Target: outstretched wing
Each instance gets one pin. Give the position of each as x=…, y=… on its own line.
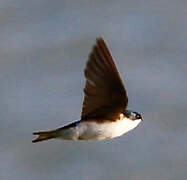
x=105, y=94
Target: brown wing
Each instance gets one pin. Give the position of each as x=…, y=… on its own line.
x=105, y=94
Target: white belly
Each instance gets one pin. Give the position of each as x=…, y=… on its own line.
x=108, y=130
x=92, y=131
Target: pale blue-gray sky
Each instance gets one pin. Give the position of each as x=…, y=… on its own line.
x=44, y=46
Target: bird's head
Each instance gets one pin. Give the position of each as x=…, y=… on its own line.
x=133, y=115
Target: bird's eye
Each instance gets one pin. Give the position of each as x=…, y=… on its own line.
x=138, y=116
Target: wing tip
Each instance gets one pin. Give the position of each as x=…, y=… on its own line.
x=100, y=40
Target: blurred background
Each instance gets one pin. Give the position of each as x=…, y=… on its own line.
x=44, y=46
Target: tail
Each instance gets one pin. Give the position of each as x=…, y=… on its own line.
x=43, y=136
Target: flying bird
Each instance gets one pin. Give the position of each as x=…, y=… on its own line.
x=104, y=114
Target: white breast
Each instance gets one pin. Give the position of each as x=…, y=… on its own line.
x=108, y=130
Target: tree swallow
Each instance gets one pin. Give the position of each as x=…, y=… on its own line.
x=104, y=114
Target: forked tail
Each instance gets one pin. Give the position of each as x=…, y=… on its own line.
x=44, y=135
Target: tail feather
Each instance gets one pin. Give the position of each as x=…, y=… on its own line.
x=43, y=135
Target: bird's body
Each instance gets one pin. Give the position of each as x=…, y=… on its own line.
x=104, y=115
x=93, y=131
